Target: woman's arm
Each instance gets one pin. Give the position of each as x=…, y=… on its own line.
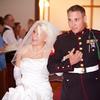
x=17, y=70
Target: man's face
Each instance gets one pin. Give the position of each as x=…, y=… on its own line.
x=76, y=21
x=10, y=21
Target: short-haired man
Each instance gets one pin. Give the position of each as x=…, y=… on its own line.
x=83, y=82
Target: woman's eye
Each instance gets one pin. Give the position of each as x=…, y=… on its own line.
x=34, y=31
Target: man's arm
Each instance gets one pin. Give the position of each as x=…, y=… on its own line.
x=55, y=65
x=59, y=63
x=56, y=62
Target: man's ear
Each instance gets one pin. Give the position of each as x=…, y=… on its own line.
x=85, y=19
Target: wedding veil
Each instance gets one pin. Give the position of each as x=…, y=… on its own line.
x=50, y=29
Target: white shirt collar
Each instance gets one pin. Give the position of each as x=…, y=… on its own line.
x=8, y=27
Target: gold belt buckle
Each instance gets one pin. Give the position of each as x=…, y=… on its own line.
x=82, y=70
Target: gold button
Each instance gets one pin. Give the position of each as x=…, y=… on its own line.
x=96, y=78
x=81, y=65
x=68, y=51
x=79, y=38
x=58, y=67
x=67, y=80
x=80, y=43
x=63, y=67
x=80, y=48
x=93, y=49
x=68, y=66
x=82, y=32
x=81, y=59
x=83, y=70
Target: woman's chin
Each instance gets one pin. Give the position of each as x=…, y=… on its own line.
x=34, y=43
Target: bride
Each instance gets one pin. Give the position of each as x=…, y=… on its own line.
x=30, y=71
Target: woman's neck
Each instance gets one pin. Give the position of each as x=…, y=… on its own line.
x=37, y=47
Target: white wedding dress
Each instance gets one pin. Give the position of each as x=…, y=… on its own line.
x=35, y=82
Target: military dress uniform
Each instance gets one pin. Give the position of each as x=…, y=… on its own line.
x=82, y=80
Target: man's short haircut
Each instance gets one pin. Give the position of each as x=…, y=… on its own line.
x=1, y=21
x=76, y=8
x=6, y=16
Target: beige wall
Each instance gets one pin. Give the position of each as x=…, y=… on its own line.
x=58, y=14
x=24, y=9
x=21, y=9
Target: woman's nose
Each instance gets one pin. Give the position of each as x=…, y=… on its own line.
x=35, y=35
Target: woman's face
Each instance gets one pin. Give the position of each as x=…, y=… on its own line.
x=39, y=37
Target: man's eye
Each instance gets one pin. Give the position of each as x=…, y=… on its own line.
x=34, y=31
x=76, y=19
x=69, y=19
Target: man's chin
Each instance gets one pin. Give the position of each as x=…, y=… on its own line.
x=75, y=31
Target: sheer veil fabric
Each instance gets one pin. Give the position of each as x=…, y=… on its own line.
x=30, y=64
x=51, y=31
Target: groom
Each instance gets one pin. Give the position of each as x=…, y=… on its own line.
x=76, y=55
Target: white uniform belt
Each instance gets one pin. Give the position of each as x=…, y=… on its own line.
x=85, y=70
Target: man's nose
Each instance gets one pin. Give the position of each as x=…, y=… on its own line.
x=73, y=23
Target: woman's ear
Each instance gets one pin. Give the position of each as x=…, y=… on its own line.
x=45, y=40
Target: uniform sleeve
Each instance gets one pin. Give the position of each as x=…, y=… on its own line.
x=55, y=63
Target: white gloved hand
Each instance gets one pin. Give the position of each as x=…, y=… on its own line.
x=17, y=75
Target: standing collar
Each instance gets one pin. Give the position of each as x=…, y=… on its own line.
x=79, y=33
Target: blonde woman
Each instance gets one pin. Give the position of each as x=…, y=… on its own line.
x=30, y=71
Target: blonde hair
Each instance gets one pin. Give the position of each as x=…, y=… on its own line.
x=51, y=31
